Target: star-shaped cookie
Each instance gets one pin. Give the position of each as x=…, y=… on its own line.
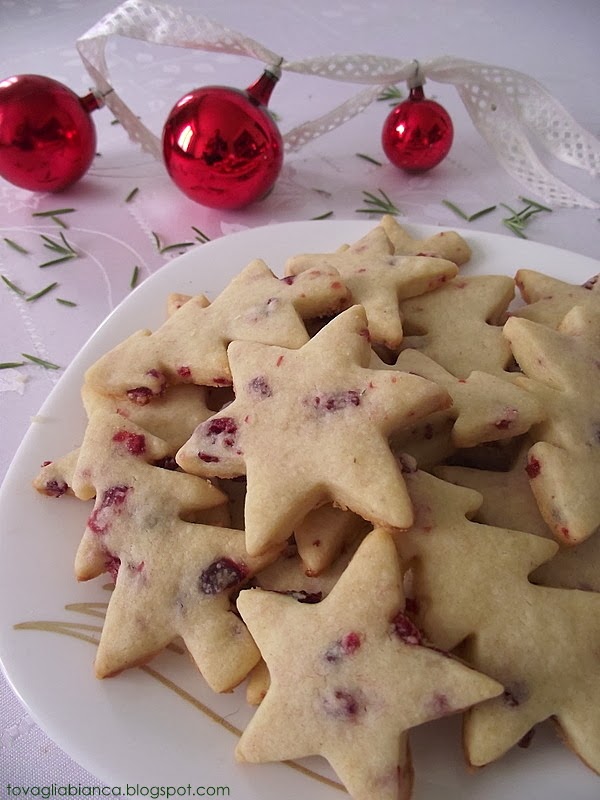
x=190, y=346
x=572, y=567
x=445, y=244
x=563, y=371
x=311, y=426
x=471, y=588
x=458, y=325
x=350, y=676
x=485, y=408
x=549, y=299
x=379, y=280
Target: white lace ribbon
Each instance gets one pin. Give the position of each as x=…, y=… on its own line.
x=512, y=111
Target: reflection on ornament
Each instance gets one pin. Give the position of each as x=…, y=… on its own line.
x=47, y=137
x=418, y=133
x=221, y=146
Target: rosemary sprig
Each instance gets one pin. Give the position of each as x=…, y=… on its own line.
x=13, y=286
x=64, y=249
x=369, y=159
x=200, y=236
x=132, y=194
x=134, y=277
x=11, y=364
x=17, y=247
x=326, y=215
x=392, y=93
x=468, y=217
x=64, y=302
x=378, y=205
x=517, y=221
x=42, y=292
x=42, y=362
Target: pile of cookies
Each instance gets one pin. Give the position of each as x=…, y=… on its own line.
x=379, y=462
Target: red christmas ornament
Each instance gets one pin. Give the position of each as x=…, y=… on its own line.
x=418, y=133
x=221, y=146
x=47, y=138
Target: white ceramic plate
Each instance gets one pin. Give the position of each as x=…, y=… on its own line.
x=164, y=727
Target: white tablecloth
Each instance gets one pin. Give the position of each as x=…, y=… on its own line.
x=556, y=43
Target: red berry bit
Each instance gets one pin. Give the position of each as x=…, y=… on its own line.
x=533, y=467
x=185, y=373
x=508, y=417
x=405, y=629
x=141, y=395
x=337, y=401
x=135, y=443
x=589, y=284
x=221, y=425
x=515, y=694
x=113, y=498
x=221, y=575
x=207, y=458
x=289, y=279
x=346, y=646
x=441, y=706
x=260, y=387
x=344, y=705
x=55, y=488
x=112, y=564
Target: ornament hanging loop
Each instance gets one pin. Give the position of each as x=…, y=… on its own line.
x=417, y=79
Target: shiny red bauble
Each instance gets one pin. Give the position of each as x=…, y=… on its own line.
x=418, y=133
x=47, y=138
x=221, y=146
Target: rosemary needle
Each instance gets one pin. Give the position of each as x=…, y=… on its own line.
x=326, y=215
x=55, y=261
x=53, y=213
x=177, y=246
x=134, y=277
x=41, y=293
x=453, y=207
x=12, y=244
x=371, y=160
x=64, y=302
x=131, y=194
x=12, y=285
x=11, y=364
x=481, y=213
